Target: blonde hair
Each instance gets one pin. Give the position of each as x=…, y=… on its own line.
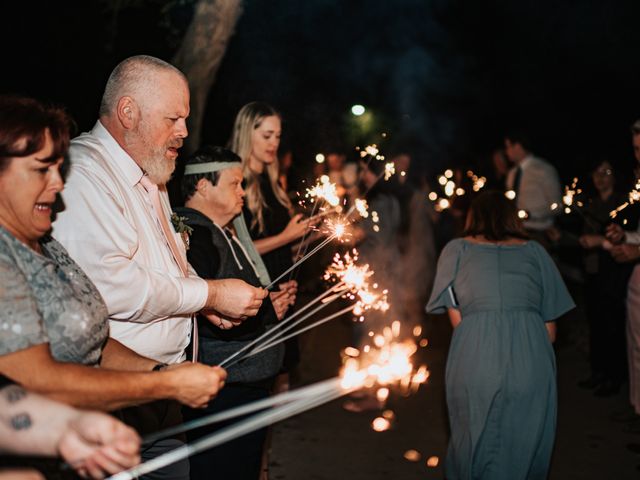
x=248, y=119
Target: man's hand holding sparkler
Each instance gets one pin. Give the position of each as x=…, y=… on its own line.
x=615, y=234
x=232, y=298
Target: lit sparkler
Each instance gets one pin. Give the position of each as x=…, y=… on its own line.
x=324, y=190
x=385, y=366
x=570, y=198
x=336, y=229
x=634, y=196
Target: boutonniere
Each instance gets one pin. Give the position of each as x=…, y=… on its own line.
x=182, y=228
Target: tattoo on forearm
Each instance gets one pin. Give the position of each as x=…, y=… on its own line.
x=21, y=421
x=14, y=393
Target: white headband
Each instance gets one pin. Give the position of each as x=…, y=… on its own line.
x=196, y=168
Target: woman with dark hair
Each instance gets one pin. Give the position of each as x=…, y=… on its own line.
x=54, y=330
x=502, y=293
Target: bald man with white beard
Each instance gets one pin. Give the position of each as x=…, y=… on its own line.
x=115, y=224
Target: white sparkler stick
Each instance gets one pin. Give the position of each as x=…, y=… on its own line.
x=288, y=327
x=281, y=398
x=298, y=332
x=334, y=390
x=280, y=324
x=320, y=246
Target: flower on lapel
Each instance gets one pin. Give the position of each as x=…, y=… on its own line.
x=182, y=228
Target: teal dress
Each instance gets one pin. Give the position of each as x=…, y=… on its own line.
x=500, y=376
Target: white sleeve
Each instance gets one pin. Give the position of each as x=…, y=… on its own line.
x=95, y=230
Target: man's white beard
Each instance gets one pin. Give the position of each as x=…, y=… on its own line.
x=158, y=167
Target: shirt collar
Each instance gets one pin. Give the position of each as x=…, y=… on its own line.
x=130, y=169
x=526, y=161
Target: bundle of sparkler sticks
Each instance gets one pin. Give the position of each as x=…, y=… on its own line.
x=385, y=363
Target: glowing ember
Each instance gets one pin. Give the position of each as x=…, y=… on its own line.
x=478, y=183
x=389, y=170
x=380, y=424
x=522, y=214
x=443, y=204
x=569, y=198
x=433, y=462
x=351, y=351
x=412, y=455
x=417, y=331
x=395, y=328
x=386, y=364
x=424, y=342
x=389, y=415
x=510, y=194
x=362, y=207
x=449, y=188
x=448, y=173
x=382, y=394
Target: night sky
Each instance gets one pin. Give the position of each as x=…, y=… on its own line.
x=443, y=78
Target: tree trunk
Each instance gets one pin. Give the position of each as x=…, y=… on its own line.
x=201, y=53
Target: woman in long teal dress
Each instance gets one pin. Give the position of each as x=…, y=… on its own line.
x=503, y=293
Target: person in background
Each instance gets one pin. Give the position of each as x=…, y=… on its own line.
x=503, y=294
x=127, y=246
x=416, y=241
x=605, y=283
x=535, y=183
x=92, y=443
x=268, y=211
x=626, y=249
x=498, y=169
x=212, y=188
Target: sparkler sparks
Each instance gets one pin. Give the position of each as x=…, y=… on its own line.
x=389, y=170
x=451, y=190
x=362, y=207
x=337, y=228
x=324, y=190
x=385, y=363
x=412, y=455
x=634, y=196
x=569, y=199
